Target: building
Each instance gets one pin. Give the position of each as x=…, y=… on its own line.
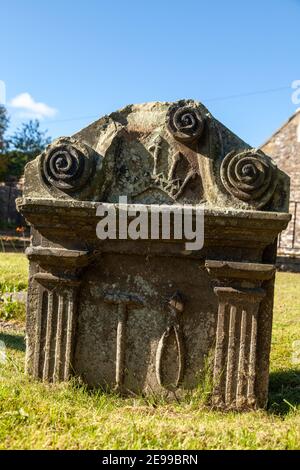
x=284, y=147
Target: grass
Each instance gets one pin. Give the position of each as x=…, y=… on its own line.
x=13, y=272
x=12, y=310
x=69, y=416
x=13, y=278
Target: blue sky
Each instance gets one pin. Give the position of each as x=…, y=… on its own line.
x=69, y=62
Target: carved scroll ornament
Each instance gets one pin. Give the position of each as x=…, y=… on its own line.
x=249, y=176
x=66, y=164
x=185, y=123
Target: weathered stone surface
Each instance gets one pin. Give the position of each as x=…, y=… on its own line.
x=145, y=316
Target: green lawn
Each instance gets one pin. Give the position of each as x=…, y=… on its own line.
x=13, y=278
x=13, y=272
x=67, y=416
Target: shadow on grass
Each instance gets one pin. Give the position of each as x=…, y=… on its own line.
x=13, y=341
x=284, y=391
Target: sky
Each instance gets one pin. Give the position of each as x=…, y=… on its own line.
x=68, y=63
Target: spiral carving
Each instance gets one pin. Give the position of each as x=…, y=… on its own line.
x=250, y=176
x=66, y=164
x=185, y=122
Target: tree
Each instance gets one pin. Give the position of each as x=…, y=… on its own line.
x=24, y=145
x=4, y=161
x=3, y=127
x=30, y=139
x=3, y=144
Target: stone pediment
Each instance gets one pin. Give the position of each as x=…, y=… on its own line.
x=158, y=153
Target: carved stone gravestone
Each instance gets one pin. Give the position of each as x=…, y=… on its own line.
x=148, y=315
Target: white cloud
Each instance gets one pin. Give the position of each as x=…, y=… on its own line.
x=31, y=108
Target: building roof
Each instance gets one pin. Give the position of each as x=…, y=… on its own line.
x=296, y=113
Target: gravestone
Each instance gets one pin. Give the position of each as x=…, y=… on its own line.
x=149, y=315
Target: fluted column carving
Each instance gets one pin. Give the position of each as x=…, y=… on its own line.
x=236, y=341
x=55, y=327
x=50, y=355
x=238, y=287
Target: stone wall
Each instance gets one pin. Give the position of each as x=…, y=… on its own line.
x=8, y=212
x=284, y=148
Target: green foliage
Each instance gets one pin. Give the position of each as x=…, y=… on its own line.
x=23, y=146
x=15, y=165
x=4, y=162
x=29, y=139
x=11, y=310
x=3, y=127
